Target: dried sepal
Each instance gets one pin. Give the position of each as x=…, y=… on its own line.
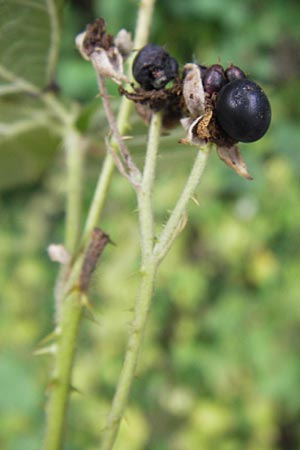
x=97, y=46
x=79, y=40
x=232, y=157
x=190, y=126
x=193, y=91
x=123, y=42
x=197, y=129
x=109, y=64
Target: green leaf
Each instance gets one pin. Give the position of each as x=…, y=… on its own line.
x=29, y=41
x=28, y=140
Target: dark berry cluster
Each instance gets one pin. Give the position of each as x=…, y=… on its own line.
x=240, y=109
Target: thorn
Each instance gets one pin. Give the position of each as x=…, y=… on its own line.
x=50, y=337
x=75, y=390
x=52, y=383
x=182, y=223
x=127, y=138
x=51, y=349
x=111, y=242
x=195, y=200
x=88, y=310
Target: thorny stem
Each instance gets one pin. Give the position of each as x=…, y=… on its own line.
x=69, y=318
x=151, y=259
x=144, y=194
x=142, y=29
x=172, y=227
x=144, y=296
x=131, y=357
x=60, y=384
x=133, y=174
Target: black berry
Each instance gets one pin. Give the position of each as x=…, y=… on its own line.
x=234, y=73
x=214, y=79
x=153, y=67
x=243, y=110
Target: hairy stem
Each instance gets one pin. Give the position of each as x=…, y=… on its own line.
x=144, y=297
x=142, y=29
x=131, y=357
x=71, y=304
x=145, y=191
x=150, y=262
x=60, y=384
x=105, y=176
x=172, y=227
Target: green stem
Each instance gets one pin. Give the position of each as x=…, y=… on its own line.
x=145, y=191
x=60, y=385
x=172, y=227
x=74, y=147
x=99, y=198
x=105, y=176
x=142, y=29
x=144, y=297
x=132, y=353
x=71, y=307
x=144, y=19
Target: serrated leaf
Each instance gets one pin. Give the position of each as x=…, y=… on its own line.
x=29, y=40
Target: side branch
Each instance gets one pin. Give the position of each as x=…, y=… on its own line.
x=173, y=225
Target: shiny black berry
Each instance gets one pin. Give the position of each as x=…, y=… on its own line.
x=153, y=67
x=214, y=79
x=243, y=110
x=234, y=73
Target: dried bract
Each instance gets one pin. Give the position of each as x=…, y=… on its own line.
x=193, y=92
x=123, y=42
x=97, y=46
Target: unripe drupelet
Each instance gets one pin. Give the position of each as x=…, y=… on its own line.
x=153, y=67
x=214, y=79
x=243, y=110
x=234, y=73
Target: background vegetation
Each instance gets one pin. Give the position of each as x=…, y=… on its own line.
x=220, y=367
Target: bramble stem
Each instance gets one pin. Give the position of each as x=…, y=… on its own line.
x=131, y=357
x=151, y=259
x=172, y=227
x=142, y=29
x=144, y=193
x=71, y=304
x=60, y=384
x=74, y=148
x=144, y=296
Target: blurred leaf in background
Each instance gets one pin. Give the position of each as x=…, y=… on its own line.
x=220, y=366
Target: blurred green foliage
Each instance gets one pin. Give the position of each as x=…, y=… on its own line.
x=220, y=367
